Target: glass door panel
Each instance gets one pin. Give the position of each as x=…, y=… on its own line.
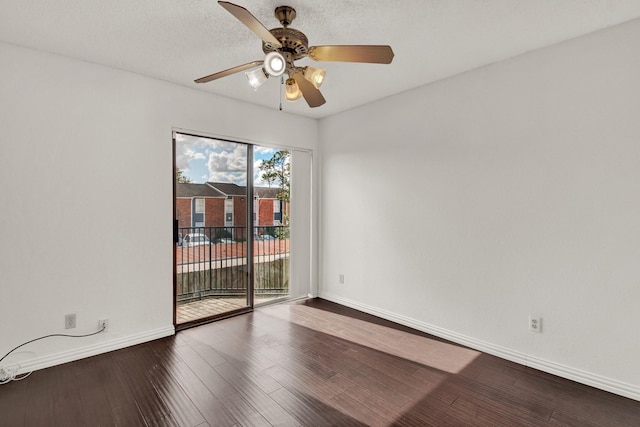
x=272, y=190
x=212, y=272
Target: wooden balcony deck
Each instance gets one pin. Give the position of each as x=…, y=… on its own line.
x=189, y=311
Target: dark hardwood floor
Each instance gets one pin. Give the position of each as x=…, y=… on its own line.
x=311, y=363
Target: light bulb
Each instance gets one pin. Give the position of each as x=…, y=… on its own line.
x=256, y=78
x=291, y=90
x=315, y=75
x=274, y=64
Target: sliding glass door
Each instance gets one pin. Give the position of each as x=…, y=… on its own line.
x=231, y=227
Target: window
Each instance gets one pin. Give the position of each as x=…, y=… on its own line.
x=277, y=214
x=199, y=206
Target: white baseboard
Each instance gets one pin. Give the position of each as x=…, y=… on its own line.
x=593, y=380
x=93, y=349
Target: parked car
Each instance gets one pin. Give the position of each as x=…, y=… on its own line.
x=195, y=239
x=267, y=237
x=179, y=239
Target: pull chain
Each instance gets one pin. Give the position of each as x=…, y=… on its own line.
x=281, y=84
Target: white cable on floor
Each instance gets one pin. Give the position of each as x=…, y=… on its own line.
x=11, y=374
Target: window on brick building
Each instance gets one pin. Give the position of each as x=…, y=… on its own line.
x=277, y=213
x=200, y=206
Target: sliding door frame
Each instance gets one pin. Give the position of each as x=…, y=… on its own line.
x=311, y=289
x=249, y=224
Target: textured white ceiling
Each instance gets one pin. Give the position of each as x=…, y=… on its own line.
x=181, y=40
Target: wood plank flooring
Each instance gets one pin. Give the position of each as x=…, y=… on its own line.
x=311, y=363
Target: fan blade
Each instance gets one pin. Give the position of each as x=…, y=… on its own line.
x=312, y=95
x=375, y=54
x=250, y=21
x=228, y=72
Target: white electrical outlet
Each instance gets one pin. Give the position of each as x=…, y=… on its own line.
x=103, y=325
x=70, y=321
x=342, y=278
x=535, y=324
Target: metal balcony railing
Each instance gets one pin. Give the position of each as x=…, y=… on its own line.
x=212, y=262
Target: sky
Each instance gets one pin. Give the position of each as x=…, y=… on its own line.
x=206, y=159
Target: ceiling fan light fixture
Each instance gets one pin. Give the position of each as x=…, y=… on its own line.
x=315, y=75
x=283, y=46
x=275, y=64
x=256, y=78
x=291, y=90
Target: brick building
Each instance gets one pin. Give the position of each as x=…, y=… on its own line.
x=217, y=204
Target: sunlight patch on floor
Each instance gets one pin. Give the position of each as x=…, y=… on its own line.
x=440, y=355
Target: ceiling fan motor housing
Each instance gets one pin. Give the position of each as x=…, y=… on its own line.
x=292, y=40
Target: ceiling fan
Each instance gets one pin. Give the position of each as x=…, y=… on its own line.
x=282, y=46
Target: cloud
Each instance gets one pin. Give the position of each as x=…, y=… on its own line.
x=257, y=175
x=265, y=151
x=219, y=161
x=238, y=178
x=228, y=161
x=228, y=164
x=188, y=148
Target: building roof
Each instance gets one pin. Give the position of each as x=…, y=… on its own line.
x=222, y=190
x=231, y=189
x=197, y=190
x=228, y=188
x=266, y=192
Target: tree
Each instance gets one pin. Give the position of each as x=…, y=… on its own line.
x=180, y=178
x=277, y=170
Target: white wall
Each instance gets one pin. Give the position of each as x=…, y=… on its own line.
x=86, y=171
x=464, y=206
